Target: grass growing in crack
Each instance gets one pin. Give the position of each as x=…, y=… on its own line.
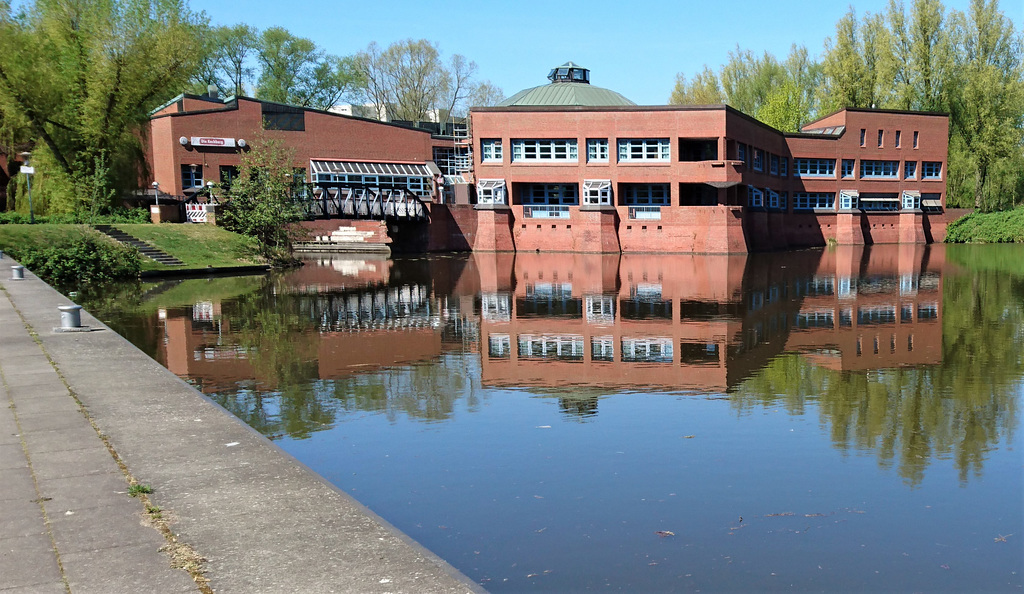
x=138, y=489
x=154, y=511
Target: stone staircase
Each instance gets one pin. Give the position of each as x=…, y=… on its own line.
x=350, y=236
x=144, y=248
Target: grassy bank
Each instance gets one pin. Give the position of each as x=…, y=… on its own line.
x=198, y=246
x=989, y=227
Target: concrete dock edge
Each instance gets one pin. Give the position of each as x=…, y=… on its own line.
x=73, y=401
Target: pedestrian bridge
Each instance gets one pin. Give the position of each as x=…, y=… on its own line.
x=363, y=202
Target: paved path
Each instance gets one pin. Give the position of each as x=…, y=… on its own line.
x=83, y=415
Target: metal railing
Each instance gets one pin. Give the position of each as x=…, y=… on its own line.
x=645, y=213
x=546, y=212
x=364, y=202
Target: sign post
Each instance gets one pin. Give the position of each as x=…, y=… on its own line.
x=28, y=171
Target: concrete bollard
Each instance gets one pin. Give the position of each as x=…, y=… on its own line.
x=17, y=272
x=70, y=316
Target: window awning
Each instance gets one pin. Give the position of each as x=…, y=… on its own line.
x=596, y=184
x=912, y=193
x=486, y=184
x=932, y=203
x=893, y=198
x=373, y=168
x=850, y=193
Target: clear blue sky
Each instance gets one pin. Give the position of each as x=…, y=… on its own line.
x=634, y=47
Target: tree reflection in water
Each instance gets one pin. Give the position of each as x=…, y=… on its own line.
x=426, y=338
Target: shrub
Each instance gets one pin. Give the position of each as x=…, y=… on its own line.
x=113, y=216
x=82, y=260
x=994, y=227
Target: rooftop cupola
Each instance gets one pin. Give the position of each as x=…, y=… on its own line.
x=570, y=72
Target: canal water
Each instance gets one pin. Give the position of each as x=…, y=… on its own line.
x=827, y=420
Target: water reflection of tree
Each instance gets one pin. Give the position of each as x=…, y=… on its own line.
x=285, y=397
x=428, y=391
x=908, y=416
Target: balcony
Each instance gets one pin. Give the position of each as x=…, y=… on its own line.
x=719, y=174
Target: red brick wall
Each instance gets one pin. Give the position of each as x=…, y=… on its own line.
x=327, y=136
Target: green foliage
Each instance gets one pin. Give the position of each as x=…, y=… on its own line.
x=261, y=203
x=79, y=77
x=995, y=227
x=294, y=71
x=81, y=259
x=137, y=489
x=112, y=216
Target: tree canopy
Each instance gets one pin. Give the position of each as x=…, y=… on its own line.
x=922, y=57
x=80, y=76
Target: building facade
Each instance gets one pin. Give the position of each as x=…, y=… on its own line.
x=558, y=169
x=198, y=140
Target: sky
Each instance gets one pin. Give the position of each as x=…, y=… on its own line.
x=635, y=47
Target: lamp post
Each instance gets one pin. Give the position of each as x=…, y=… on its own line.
x=28, y=171
x=156, y=192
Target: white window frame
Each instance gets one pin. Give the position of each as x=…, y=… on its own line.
x=597, y=150
x=644, y=149
x=547, y=149
x=597, y=192
x=490, y=150
x=491, y=191
x=911, y=200
x=848, y=199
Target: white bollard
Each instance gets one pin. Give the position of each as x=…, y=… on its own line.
x=70, y=316
x=17, y=272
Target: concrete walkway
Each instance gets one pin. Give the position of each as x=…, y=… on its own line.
x=83, y=415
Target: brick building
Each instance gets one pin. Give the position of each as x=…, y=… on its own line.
x=194, y=140
x=571, y=167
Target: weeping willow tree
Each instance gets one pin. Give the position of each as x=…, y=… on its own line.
x=77, y=81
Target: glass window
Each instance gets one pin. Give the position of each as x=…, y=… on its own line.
x=643, y=149
x=862, y=132
x=784, y=166
x=812, y=200
x=848, y=165
x=774, y=165
x=887, y=169
x=755, y=197
x=931, y=170
x=550, y=194
x=544, y=150
x=814, y=167
x=898, y=135
x=847, y=200
x=597, y=149
x=491, y=191
x=881, y=135
x=758, y=160
x=741, y=152
x=191, y=176
x=915, y=138
x=490, y=149
x=597, y=192
x=645, y=194
x=910, y=170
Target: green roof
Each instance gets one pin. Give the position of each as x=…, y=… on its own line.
x=567, y=93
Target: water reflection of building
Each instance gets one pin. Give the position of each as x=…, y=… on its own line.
x=340, y=316
x=706, y=322
x=549, y=320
